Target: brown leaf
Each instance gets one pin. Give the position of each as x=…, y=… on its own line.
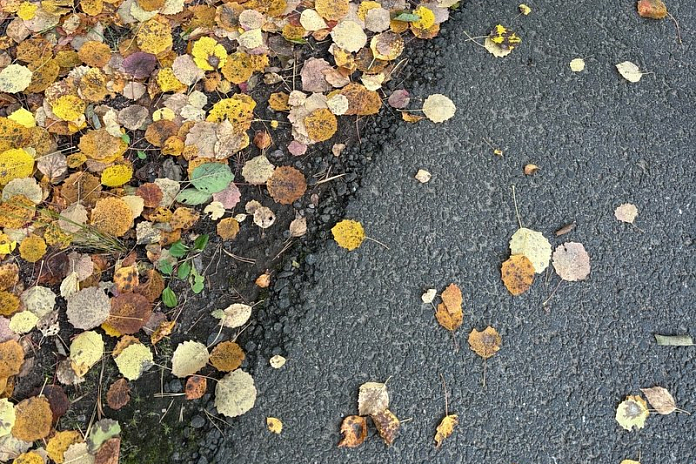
x=485, y=343
x=445, y=428
x=196, y=386
x=108, y=452
x=449, y=313
x=118, y=395
x=286, y=185
x=354, y=431
x=387, y=425
x=653, y=9
x=226, y=356
x=126, y=279
x=566, y=228
x=518, y=274
x=530, y=169
x=129, y=313
x=660, y=399
x=11, y=358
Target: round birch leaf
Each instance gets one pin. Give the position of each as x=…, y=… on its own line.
x=189, y=358
x=39, y=300
x=15, y=78
x=235, y=393
x=235, y=315
x=438, y=108
x=88, y=308
x=85, y=351
x=134, y=360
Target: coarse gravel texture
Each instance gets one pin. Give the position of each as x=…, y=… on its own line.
x=551, y=392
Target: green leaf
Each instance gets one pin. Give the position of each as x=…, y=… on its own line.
x=125, y=138
x=184, y=270
x=178, y=249
x=406, y=17
x=169, y=298
x=142, y=155
x=166, y=267
x=212, y=177
x=192, y=197
x=201, y=242
x=101, y=431
x=198, y=284
x=674, y=340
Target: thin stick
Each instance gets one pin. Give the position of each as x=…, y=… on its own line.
x=377, y=241
x=676, y=24
x=239, y=258
x=484, y=373
x=473, y=39
x=546, y=301
x=444, y=389
x=517, y=211
x=165, y=412
x=329, y=179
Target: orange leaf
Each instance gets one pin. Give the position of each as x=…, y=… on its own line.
x=286, y=185
x=196, y=386
x=226, y=356
x=449, y=313
x=486, y=343
x=518, y=274
x=354, y=431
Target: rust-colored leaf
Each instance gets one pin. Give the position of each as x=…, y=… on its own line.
x=286, y=185
x=354, y=431
x=653, y=9
x=518, y=274
x=196, y=386
x=129, y=313
x=449, y=313
x=485, y=343
x=387, y=425
x=118, y=395
x=226, y=356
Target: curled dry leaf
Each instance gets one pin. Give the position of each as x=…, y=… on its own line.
x=354, y=431
x=485, y=343
x=277, y=361
x=445, y=428
x=517, y=274
x=674, y=340
x=571, y=261
x=660, y=399
x=423, y=176
x=428, y=296
x=235, y=315
x=274, y=425
x=373, y=398
x=632, y=412
x=577, y=65
x=530, y=169
x=626, y=213
x=653, y=9
x=264, y=217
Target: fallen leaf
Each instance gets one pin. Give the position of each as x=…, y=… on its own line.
x=59, y=443
x=7, y=417
x=118, y=395
x=226, y=356
x=530, y=169
x=429, y=296
x=485, y=343
x=674, y=340
x=33, y=419
x=653, y=9
x=449, y=313
x=354, y=431
x=423, y=176
x=445, y=428
x=196, y=386
x=566, y=229
x=134, y=360
x=571, y=261
x=277, y=361
x=660, y=399
x=286, y=185
x=517, y=274
x=387, y=425
x=235, y=315
x=629, y=461
x=626, y=213
x=524, y=9
x=274, y=424
x=85, y=351
x=629, y=71
x=373, y=398
x=533, y=245
x=101, y=431
x=348, y=234
x=235, y=394
x=438, y=108
x=88, y=308
x=632, y=412
x=189, y=358
x=577, y=65
x=109, y=452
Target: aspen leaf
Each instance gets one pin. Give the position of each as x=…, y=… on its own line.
x=264, y=217
x=348, y=234
x=321, y=125
x=349, y=35
x=485, y=343
x=196, y=386
x=60, y=442
x=449, y=313
x=11, y=358
x=235, y=315
x=15, y=78
x=353, y=431
x=112, y=216
x=215, y=210
x=257, y=170
x=660, y=399
x=423, y=176
x=189, y=358
x=533, y=245
x=7, y=417
x=226, y=356
x=388, y=46
x=445, y=428
x=286, y=185
x=387, y=425
x=277, y=361
x=235, y=394
x=438, y=108
x=429, y=295
x=274, y=425
x=77, y=453
x=88, y=308
x=571, y=261
x=129, y=312
x=15, y=163
x=629, y=71
x=333, y=10
x=154, y=36
x=517, y=274
x=118, y=394
x=134, y=360
x=629, y=461
x=32, y=248
x=373, y=398
x=228, y=228
x=524, y=9
x=632, y=412
x=117, y=175
x=23, y=322
x=626, y=213
x=101, y=431
x=85, y=351
x=33, y=418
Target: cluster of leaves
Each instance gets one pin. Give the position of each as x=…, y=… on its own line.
x=373, y=402
x=633, y=410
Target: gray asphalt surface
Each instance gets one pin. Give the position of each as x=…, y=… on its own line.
x=552, y=390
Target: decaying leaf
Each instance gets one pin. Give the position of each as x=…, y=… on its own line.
x=235, y=394
x=11, y=358
x=348, y=234
x=33, y=419
x=88, y=308
x=629, y=71
x=445, y=428
x=354, y=431
x=274, y=425
x=653, y=9
x=101, y=431
x=449, y=313
x=660, y=399
x=566, y=229
x=118, y=395
x=626, y=212
x=632, y=412
x=134, y=360
x=517, y=274
x=286, y=185
x=189, y=358
x=571, y=261
x=226, y=356
x=533, y=245
x=387, y=425
x=196, y=386
x=674, y=340
x=373, y=398
x=485, y=343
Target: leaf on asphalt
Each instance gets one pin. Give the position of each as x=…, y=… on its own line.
x=387, y=425
x=196, y=386
x=235, y=394
x=286, y=185
x=533, y=245
x=577, y=65
x=674, y=340
x=653, y=9
x=423, y=176
x=517, y=274
x=632, y=412
x=235, y=315
x=277, y=361
x=626, y=213
x=354, y=431
x=274, y=425
x=373, y=398
x=660, y=399
x=445, y=428
x=566, y=229
x=118, y=394
x=524, y=9
x=429, y=296
x=501, y=41
x=571, y=261
x=399, y=99
x=449, y=313
x=629, y=71
x=189, y=358
x=485, y=343
x=438, y=108
x=348, y=234
x=629, y=461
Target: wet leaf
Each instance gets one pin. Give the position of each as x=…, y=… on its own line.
x=485, y=343
x=660, y=399
x=445, y=428
x=517, y=274
x=373, y=398
x=354, y=431
x=632, y=412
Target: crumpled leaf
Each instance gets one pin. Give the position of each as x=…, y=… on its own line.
x=449, y=313
x=632, y=412
x=189, y=358
x=277, y=361
x=660, y=399
x=653, y=9
x=626, y=212
x=387, y=424
x=533, y=245
x=517, y=274
x=274, y=425
x=674, y=340
x=235, y=394
x=571, y=261
x=445, y=428
x=373, y=398
x=438, y=108
x=348, y=234
x=485, y=343
x=353, y=431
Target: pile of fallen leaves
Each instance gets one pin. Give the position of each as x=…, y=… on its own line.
x=88, y=90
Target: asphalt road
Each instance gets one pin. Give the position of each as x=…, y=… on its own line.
x=552, y=390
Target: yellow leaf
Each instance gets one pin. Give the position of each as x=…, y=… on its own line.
x=68, y=107
x=274, y=424
x=348, y=234
x=85, y=351
x=7, y=246
x=632, y=412
x=27, y=10
x=533, y=245
x=524, y=9
x=427, y=18
x=517, y=274
x=154, y=36
x=60, y=442
x=24, y=117
x=449, y=313
x=629, y=461
x=168, y=81
x=445, y=428
x=134, y=360
x=321, y=125
x=32, y=248
x=208, y=54
x=116, y=175
x=485, y=343
x=15, y=163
